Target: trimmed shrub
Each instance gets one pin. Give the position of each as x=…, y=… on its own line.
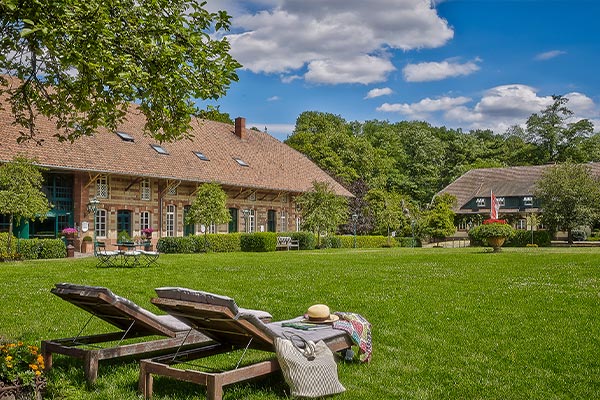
x=331, y=242
x=29, y=249
x=52, y=248
x=523, y=238
x=408, y=242
x=367, y=241
x=180, y=245
x=260, y=241
x=306, y=240
x=218, y=243
x=578, y=235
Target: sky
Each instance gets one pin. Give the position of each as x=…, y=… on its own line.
x=469, y=64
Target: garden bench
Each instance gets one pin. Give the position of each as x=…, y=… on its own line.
x=286, y=242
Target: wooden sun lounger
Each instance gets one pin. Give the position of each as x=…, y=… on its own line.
x=133, y=322
x=230, y=328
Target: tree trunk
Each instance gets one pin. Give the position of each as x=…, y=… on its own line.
x=570, y=237
x=10, y=234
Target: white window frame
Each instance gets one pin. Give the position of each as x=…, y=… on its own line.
x=282, y=221
x=171, y=220
x=480, y=202
x=145, y=190
x=250, y=221
x=463, y=226
x=298, y=224
x=100, y=221
x=102, y=188
x=501, y=201
x=528, y=200
x=145, y=221
x=522, y=224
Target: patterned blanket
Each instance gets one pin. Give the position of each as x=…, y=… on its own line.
x=359, y=330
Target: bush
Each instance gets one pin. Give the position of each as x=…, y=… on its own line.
x=481, y=233
x=52, y=248
x=179, y=245
x=29, y=249
x=331, y=242
x=578, y=235
x=218, y=243
x=306, y=240
x=260, y=241
x=363, y=242
x=408, y=242
x=522, y=238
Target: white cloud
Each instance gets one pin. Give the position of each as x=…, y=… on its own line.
x=378, y=92
x=425, y=107
x=362, y=69
x=435, y=71
x=549, y=54
x=498, y=108
x=273, y=98
x=336, y=39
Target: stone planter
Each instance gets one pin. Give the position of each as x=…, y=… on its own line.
x=496, y=242
x=19, y=392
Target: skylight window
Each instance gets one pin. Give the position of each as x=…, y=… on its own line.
x=125, y=136
x=159, y=149
x=201, y=156
x=241, y=162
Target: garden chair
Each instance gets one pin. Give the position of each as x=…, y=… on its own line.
x=132, y=320
x=149, y=257
x=231, y=328
x=106, y=258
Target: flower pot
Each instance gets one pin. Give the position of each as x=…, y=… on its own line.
x=496, y=242
x=15, y=391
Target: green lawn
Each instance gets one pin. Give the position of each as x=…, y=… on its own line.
x=447, y=323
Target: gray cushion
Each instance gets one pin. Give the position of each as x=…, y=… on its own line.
x=198, y=296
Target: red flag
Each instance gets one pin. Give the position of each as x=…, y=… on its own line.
x=494, y=206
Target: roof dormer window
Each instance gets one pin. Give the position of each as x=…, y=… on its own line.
x=241, y=162
x=159, y=149
x=126, y=137
x=201, y=156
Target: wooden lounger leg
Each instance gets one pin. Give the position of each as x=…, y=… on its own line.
x=90, y=366
x=214, y=387
x=146, y=382
x=47, y=357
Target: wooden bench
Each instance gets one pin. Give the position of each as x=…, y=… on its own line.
x=286, y=242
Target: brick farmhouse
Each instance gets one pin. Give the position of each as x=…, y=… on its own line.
x=140, y=183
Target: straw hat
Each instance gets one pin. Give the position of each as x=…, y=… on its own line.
x=319, y=314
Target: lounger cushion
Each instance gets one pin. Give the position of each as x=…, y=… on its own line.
x=178, y=293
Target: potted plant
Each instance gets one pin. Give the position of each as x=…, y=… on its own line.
x=86, y=244
x=147, y=232
x=21, y=371
x=494, y=232
x=122, y=238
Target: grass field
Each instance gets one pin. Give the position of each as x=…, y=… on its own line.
x=447, y=323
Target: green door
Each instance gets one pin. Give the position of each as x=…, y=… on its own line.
x=233, y=223
x=271, y=223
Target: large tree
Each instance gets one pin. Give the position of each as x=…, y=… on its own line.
x=322, y=209
x=438, y=220
x=82, y=63
x=21, y=195
x=555, y=134
x=569, y=195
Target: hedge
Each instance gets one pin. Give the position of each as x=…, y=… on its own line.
x=31, y=249
x=260, y=241
x=522, y=238
x=218, y=243
x=181, y=245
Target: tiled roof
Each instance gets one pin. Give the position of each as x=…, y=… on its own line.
x=504, y=182
x=272, y=165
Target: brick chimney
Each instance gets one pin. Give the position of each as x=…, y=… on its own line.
x=240, y=128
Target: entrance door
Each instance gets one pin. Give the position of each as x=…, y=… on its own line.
x=124, y=221
x=233, y=223
x=271, y=224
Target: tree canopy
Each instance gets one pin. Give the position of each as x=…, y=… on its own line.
x=570, y=196
x=21, y=195
x=209, y=206
x=322, y=209
x=82, y=63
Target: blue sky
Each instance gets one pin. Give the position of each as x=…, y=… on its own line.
x=466, y=64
